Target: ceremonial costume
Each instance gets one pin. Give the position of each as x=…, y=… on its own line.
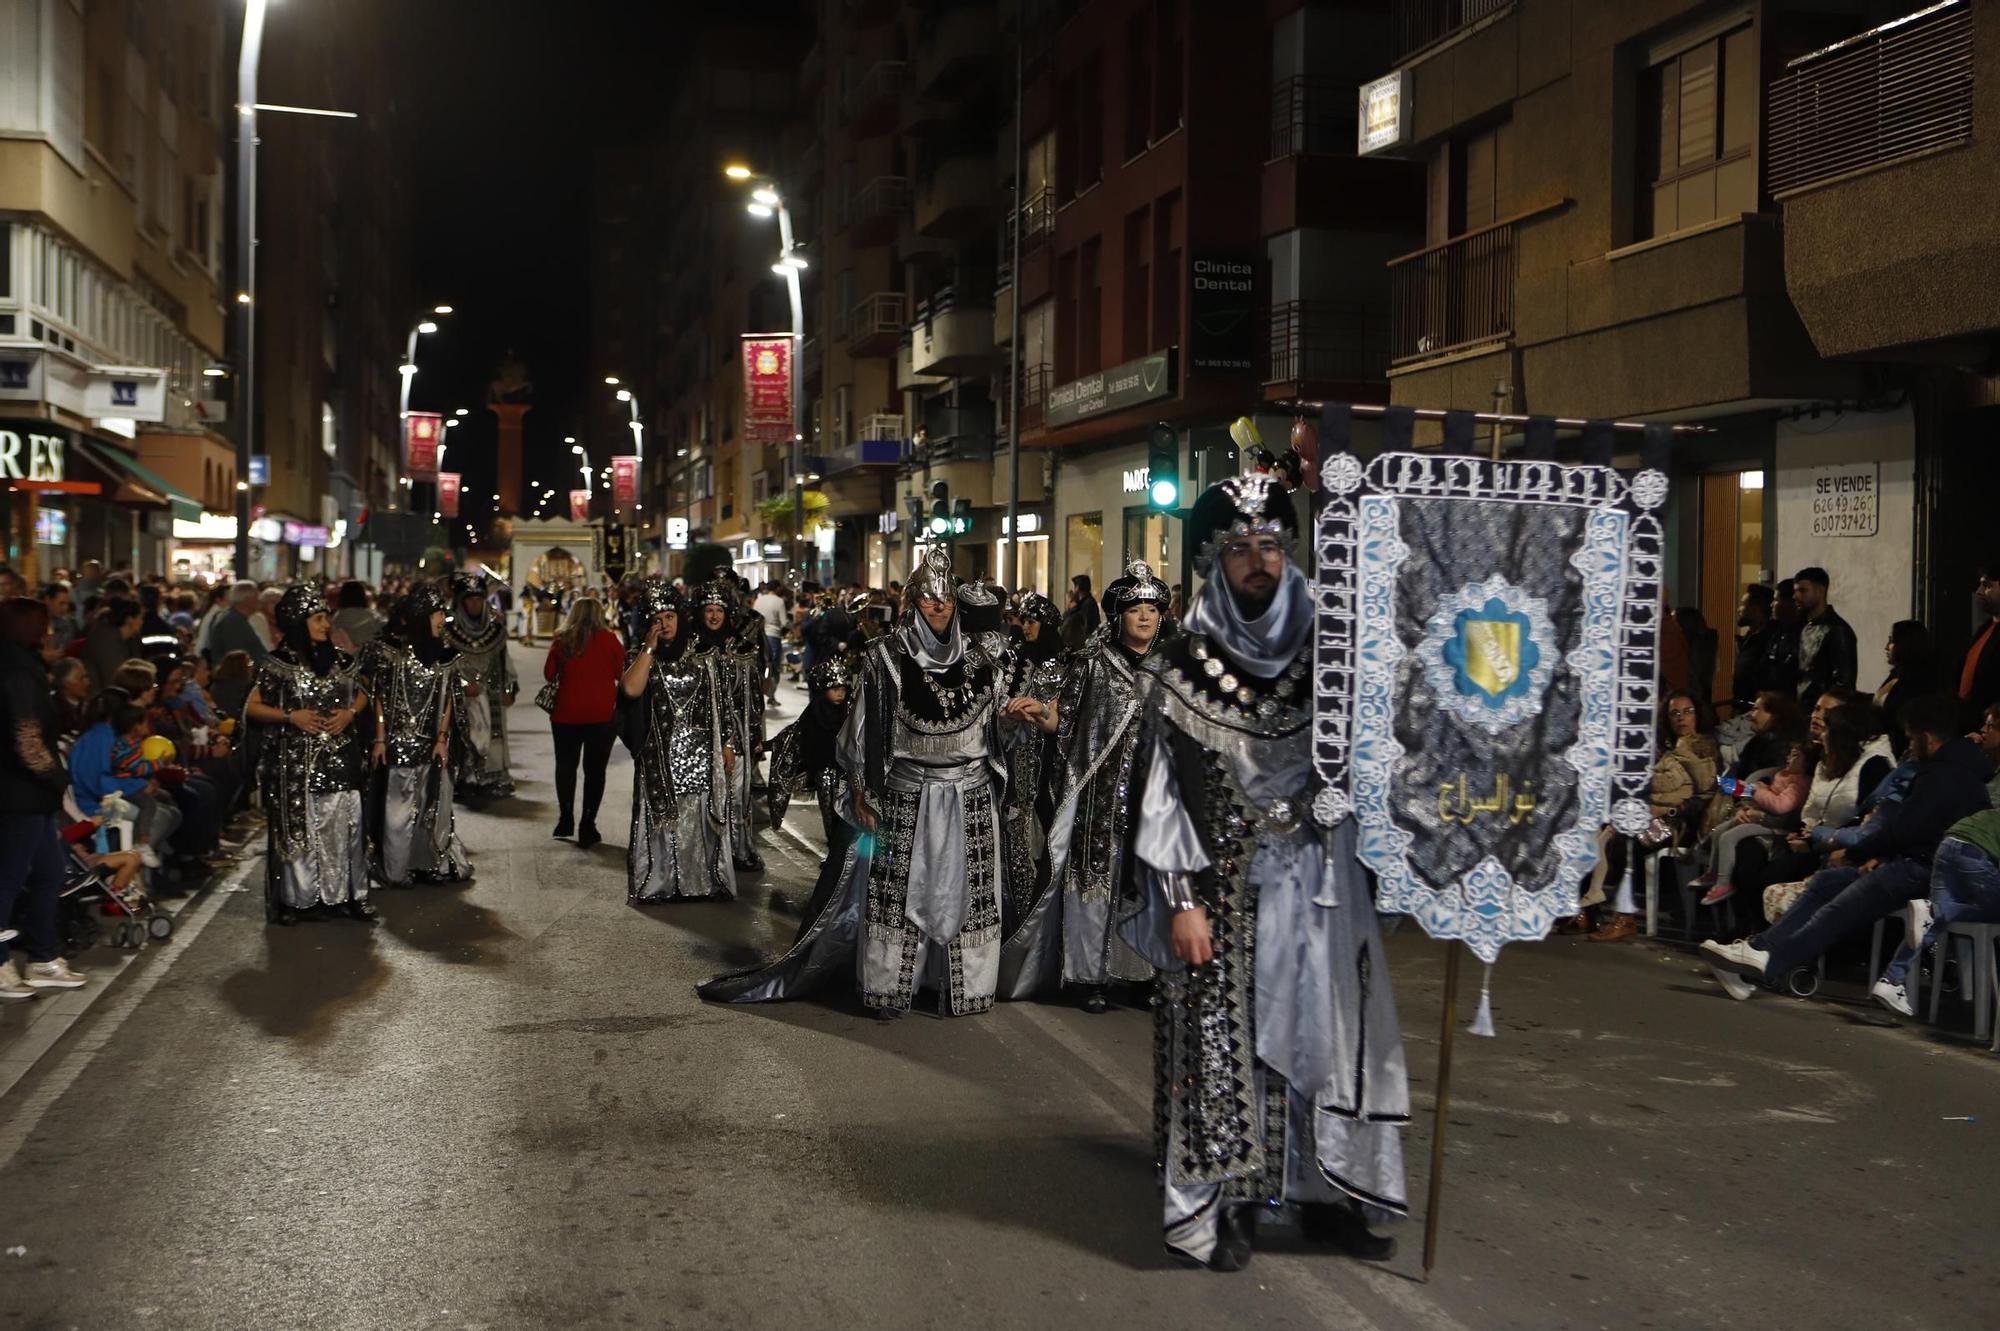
x=413, y=678
x=312, y=784
x=479, y=637
x=923, y=743
x=1070, y=932
x=739, y=683
x=680, y=785
x=1036, y=668
x=1278, y=1064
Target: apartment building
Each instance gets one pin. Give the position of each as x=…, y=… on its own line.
x=112, y=130
x=1716, y=212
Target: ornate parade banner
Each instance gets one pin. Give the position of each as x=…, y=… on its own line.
x=767, y=388
x=624, y=481
x=1486, y=689
x=448, y=491
x=579, y=505
x=421, y=430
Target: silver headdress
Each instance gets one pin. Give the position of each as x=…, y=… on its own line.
x=833, y=674
x=1252, y=505
x=299, y=604
x=933, y=578
x=1138, y=587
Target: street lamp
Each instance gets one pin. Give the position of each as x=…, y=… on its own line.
x=408, y=369
x=583, y=460
x=767, y=200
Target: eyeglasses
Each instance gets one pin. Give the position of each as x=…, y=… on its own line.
x=1266, y=551
x=1682, y=711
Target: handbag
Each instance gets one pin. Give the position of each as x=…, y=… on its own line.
x=546, y=698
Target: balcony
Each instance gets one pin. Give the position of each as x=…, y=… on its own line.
x=1896, y=92
x=1455, y=295
x=875, y=99
x=958, y=198
x=1313, y=116
x=1038, y=220
x=1421, y=23
x=869, y=453
x=1326, y=342
x=907, y=377
x=951, y=338
x=1036, y=381
x=876, y=209
x=875, y=324
x=952, y=43
x=812, y=360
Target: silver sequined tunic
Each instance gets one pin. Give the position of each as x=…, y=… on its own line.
x=679, y=846
x=312, y=787
x=419, y=830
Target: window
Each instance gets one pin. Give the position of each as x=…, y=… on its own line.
x=1065, y=330
x=1089, y=308
x=1139, y=82
x=1167, y=271
x=1697, y=136
x=1138, y=287
x=1146, y=538
x=1085, y=532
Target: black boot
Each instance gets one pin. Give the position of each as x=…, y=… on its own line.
x=564, y=827
x=1236, y=1239
x=588, y=836
x=1095, y=1001
x=1340, y=1226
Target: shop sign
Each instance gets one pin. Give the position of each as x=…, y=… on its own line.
x=1144, y=380
x=677, y=533
x=268, y=530
x=767, y=388
x=308, y=535
x=1137, y=480
x=1222, y=312
x=1384, y=113
x=125, y=393
x=751, y=553
x=32, y=453
x=1030, y=522
x=21, y=377
x=211, y=527
x=888, y=523
x=1846, y=500
x=51, y=526
x=260, y=469
x=774, y=550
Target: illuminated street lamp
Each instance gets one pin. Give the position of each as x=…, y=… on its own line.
x=767, y=200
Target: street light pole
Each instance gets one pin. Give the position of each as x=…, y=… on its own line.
x=246, y=268
x=1014, y=314
x=765, y=200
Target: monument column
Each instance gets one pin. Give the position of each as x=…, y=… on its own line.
x=508, y=458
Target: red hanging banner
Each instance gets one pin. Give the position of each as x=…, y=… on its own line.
x=767, y=388
x=579, y=505
x=624, y=482
x=421, y=431
x=448, y=486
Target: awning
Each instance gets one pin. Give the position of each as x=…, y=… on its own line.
x=138, y=483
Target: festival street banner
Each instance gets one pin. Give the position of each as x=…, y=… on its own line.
x=421, y=431
x=579, y=505
x=1486, y=696
x=624, y=482
x=448, y=487
x=767, y=388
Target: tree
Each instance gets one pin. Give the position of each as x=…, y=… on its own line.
x=777, y=512
x=704, y=561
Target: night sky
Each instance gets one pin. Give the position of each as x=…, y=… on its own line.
x=507, y=100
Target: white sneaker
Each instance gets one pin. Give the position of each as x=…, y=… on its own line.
x=9, y=935
x=149, y=857
x=1917, y=923
x=11, y=988
x=1733, y=984
x=1741, y=956
x=55, y=975
x=1893, y=997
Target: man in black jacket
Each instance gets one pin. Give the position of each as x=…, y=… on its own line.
x=1828, y=654
x=1767, y=655
x=1885, y=870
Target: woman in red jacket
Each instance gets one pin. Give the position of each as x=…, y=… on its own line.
x=585, y=661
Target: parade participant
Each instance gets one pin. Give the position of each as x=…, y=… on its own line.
x=922, y=750
x=684, y=746
x=1278, y=1063
x=805, y=757
x=1096, y=722
x=307, y=696
x=412, y=676
x=741, y=695
x=980, y=610
x=479, y=636
x=1036, y=667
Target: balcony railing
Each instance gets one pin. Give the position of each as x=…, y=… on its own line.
x=876, y=209
x=1421, y=22
x=1036, y=381
x=1326, y=341
x=876, y=323
x=1890, y=93
x=874, y=98
x=1312, y=114
x=1453, y=295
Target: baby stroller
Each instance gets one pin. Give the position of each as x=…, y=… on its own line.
x=91, y=895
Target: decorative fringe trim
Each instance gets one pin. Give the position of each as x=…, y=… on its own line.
x=1482, y=1020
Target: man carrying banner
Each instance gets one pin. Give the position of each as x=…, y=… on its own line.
x=1278, y=1073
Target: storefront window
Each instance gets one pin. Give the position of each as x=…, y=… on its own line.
x=1732, y=557
x=1146, y=538
x=1084, y=552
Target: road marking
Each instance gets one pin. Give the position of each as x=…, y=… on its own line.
x=189, y=925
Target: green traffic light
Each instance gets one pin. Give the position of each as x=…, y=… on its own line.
x=1165, y=494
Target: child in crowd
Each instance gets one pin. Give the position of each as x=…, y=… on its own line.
x=1763, y=810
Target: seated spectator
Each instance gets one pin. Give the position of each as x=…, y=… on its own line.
x=1851, y=760
x=1776, y=724
x=70, y=683
x=1965, y=885
x=231, y=683
x=1912, y=674
x=1764, y=810
x=1683, y=777
x=94, y=763
x=1885, y=869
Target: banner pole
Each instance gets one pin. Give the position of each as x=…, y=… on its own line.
x=1447, y=1028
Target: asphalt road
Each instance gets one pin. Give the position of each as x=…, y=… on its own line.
x=505, y=1107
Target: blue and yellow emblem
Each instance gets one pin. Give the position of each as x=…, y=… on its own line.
x=1492, y=653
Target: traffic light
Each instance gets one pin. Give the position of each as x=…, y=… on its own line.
x=1163, y=469
x=961, y=517
x=940, y=509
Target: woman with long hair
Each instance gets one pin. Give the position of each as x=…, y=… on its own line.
x=413, y=678
x=1912, y=673
x=32, y=782
x=584, y=664
x=307, y=697
x=685, y=750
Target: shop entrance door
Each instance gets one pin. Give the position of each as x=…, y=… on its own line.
x=1732, y=557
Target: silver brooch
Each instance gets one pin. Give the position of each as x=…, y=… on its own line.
x=1228, y=683
x=1245, y=696
x=1213, y=667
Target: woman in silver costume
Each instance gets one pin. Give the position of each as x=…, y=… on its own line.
x=740, y=693
x=1096, y=722
x=1036, y=667
x=478, y=636
x=306, y=698
x=413, y=678
x=685, y=745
